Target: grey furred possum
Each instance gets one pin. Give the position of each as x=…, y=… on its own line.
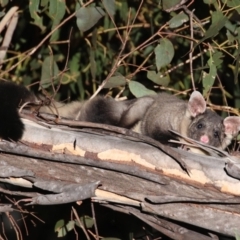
x=155, y=115
x=152, y=115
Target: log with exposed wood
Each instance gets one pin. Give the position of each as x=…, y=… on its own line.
x=124, y=171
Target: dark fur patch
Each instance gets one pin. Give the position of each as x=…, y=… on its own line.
x=102, y=110
x=11, y=96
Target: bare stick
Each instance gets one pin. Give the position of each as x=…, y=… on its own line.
x=94, y=219
x=80, y=223
x=9, y=33
x=7, y=18
x=191, y=49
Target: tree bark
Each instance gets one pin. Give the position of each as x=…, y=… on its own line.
x=126, y=172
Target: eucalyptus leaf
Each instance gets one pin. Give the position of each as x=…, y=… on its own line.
x=59, y=224
x=44, y=3
x=2, y=13
x=218, y=22
x=34, y=10
x=164, y=53
x=50, y=72
x=231, y=26
x=93, y=66
x=236, y=68
x=87, y=17
x=217, y=58
x=169, y=5
x=178, y=20
x=70, y=225
x=110, y=6
x=233, y=4
x=62, y=232
x=231, y=37
x=3, y=3
x=209, y=78
x=209, y=2
x=238, y=34
x=87, y=221
x=116, y=81
x=57, y=10
x=154, y=77
x=139, y=90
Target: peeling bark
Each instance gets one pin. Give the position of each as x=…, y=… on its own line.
x=126, y=172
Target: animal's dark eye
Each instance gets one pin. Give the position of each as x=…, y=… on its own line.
x=216, y=134
x=199, y=126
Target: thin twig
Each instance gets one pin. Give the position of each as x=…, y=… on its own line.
x=94, y=219
x=119, y=59
x=116, y=28
x=15, y=226
x=7, y=17
x=191, y=49
x=33, y=50
x=182, y=63
x=80, y=223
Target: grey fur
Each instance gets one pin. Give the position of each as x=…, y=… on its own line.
x=155, y=115
x=190, y=119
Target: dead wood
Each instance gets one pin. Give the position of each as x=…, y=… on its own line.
x=126, y=172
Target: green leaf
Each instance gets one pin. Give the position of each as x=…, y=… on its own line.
x=231, y=26
x=164, y=53
x=218, y=22
x=62, y=232
x=109, y=6
x=44, y=3
x=115, y=81
x=168, y=4
x=70, y=226
x=93, y=65
x=2, y=13
x=236, y=68
x=238, y=139
x=87, y=221
x=237, y=236
x=50, y=72
x=178, y=20
x=34, y=9
x=123, y=8
x=88, y=17
x=238, y=34
x=149, y=49
x=209, y=78
x=154, y=77
x=3, y=3
x=209, y=2
x=217, y=58
x=233, y=4
x=231, y=37
x=74, y=64
x=139, y=90
x=59, y=224
x=57, y=12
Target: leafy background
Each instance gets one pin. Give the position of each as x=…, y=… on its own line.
x=76, y=49
x=125, y=48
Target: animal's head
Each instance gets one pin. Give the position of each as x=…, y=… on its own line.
x=208, y=127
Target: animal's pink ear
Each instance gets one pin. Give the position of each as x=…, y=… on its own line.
x=232, y=125
x=196, y=104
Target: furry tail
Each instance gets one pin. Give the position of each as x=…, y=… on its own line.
x=11, y=97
